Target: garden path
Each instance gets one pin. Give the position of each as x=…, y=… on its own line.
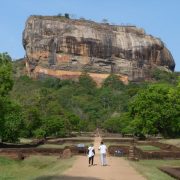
x=117, y=169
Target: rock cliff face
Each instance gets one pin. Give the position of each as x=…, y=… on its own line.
x=64, y=48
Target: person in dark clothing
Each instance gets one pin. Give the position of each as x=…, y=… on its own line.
x=91, y=154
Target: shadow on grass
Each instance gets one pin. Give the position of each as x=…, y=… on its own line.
x=65, y=178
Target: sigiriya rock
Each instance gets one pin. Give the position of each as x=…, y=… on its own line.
x=64, y=48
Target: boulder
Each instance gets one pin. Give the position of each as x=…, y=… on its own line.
x=66, y=153
x=64, y=48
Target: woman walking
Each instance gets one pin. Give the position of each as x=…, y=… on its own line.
x=91, y=154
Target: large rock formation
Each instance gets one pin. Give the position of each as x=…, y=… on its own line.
x=64, y=48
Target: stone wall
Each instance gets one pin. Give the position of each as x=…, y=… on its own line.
x=161, y=154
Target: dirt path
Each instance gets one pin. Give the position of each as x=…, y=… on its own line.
x=117, y=169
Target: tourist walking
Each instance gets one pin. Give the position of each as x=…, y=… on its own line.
x=91, y=154
x=103, y=150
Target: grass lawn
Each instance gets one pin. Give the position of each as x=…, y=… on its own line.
x=175, y=142
x=25, y=140
x=116, y=144
x=33, y=167
x=60, y=145
x=148, y=148
x=53, y=145
x=148, y=168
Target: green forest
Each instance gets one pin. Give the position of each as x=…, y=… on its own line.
x=51, y=107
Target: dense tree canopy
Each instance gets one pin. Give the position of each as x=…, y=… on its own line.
x=113, y=82
x=81, y=106
x=157, y=110
x=6, y=81
x=54, y=107
x=10, y=112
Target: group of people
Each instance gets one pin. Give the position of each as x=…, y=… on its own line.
x=91, y=153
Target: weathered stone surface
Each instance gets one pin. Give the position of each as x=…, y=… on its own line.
x=20, y=156
x=64, y=48
x=66, y=154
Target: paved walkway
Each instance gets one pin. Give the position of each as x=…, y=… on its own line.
x=117, y=169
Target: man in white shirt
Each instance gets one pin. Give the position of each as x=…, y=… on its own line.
x=103, y=150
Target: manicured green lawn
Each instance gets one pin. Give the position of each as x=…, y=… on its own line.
x=148, y=148
x=33, y=167
x=25, y=140
x=116, y=144
x=175, y=142
x=59, y=145
x=148, y=168
x=53, y=146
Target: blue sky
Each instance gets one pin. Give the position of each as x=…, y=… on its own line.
x=160, y=18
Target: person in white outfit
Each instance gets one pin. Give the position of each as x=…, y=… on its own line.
x=103, y=150
x=91, y=153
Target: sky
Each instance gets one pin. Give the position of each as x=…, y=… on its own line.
x=160, y=18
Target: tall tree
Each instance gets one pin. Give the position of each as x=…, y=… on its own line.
x=6, y=81
x=157, y=110
x=10, y=113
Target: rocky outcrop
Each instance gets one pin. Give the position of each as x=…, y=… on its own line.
x=64, y=48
